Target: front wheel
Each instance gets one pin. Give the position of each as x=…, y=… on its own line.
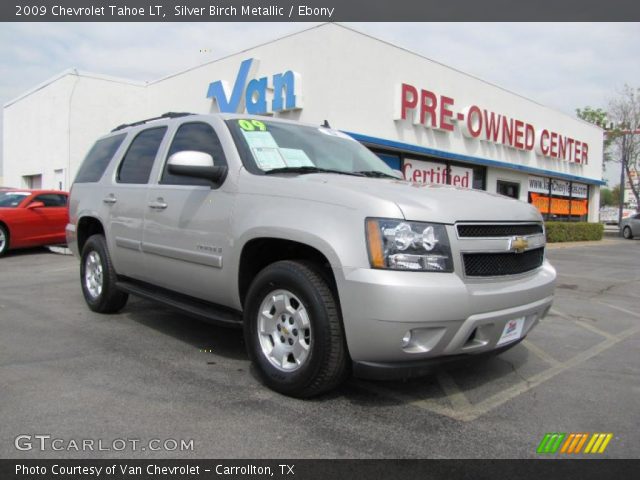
x=98, y=278
x=4, y=240
x=626, y=233
x=293, y=330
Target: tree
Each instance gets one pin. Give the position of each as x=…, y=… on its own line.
x=615, y=193
x=622, y=139
x=624, y=112
x=598, y=117
x=606, y=197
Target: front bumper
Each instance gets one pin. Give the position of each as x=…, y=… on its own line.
x=446, y=316
x=416, y=368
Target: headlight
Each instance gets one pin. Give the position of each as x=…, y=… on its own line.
x=402, y=245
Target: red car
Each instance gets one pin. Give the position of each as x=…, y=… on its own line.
x=30, y=218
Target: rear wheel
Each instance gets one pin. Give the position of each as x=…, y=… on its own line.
x=293, y=331
x=626, y=233
x=98, y=278
x=4, y=240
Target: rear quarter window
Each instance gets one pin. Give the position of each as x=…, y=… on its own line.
x=98, y=158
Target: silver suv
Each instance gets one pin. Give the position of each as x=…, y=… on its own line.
x=309, y=242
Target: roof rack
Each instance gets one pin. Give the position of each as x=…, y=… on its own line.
x=142, y=122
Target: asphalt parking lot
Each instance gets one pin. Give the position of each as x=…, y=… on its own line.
x=149, y=373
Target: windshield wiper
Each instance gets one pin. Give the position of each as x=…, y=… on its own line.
x=308, y=169
x=375, y=174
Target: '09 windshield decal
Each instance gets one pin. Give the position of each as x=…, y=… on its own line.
x=252, y=125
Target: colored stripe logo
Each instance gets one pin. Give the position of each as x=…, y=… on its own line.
x=572, y=443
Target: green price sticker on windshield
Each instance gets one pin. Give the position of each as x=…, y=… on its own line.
x=251, y=125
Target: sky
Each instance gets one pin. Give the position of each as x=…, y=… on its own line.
x=561, y=65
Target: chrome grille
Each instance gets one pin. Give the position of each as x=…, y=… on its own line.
x=491, y=230
x=499, y=264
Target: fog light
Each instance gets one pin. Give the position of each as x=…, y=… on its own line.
x=422, y=340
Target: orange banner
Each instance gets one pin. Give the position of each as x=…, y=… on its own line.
x=559, y=206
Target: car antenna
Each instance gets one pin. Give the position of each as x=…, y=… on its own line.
x=326, y=124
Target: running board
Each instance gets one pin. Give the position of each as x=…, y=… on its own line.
x=200, y=309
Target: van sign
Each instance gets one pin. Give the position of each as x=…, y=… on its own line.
x=257, y=96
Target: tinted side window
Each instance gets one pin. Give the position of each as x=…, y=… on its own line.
x=138, y=161
x=98, y=158
x=199, y=137
x=51, y=200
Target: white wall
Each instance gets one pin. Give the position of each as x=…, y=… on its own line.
x=35, y=133
x=54, y=127
x=99, y=105
x=495, y=174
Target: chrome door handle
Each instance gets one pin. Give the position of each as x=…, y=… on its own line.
x=109, y=200
x=158, y=205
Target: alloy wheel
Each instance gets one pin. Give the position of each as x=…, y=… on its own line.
x=93, y=278
x=284, y=330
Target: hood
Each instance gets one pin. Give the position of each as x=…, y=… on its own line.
x=417, y=202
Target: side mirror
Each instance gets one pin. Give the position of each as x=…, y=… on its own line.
x=398, y=174
x=190, y=163
x=33, y=205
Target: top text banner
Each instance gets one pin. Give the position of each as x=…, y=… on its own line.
x=316, y=10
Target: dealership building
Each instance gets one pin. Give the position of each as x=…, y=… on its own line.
x=434, y=123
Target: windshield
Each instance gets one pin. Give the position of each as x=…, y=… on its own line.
x=274, y=146
x=12, y=199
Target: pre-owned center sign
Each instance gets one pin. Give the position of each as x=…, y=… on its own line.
x=424, y=107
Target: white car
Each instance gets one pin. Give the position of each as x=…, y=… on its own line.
x=630, y=226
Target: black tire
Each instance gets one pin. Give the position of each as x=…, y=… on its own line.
x=109, y=299
x=4, y=240
x=326, y=363
x=626, y=233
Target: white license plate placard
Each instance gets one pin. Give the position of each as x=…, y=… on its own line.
x=512, y=331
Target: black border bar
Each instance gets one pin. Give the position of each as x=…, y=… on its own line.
x=317, y=10
x=290, y=469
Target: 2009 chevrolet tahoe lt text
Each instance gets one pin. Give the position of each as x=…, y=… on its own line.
x=300, y=235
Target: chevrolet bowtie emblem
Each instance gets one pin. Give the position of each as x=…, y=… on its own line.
x=519, y=244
